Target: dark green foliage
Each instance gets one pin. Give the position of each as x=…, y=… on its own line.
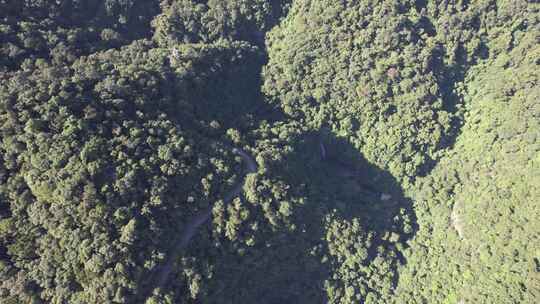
x=188, y=21
x=397, y=145
x=102, y=157
x=61, y=31
x=298, y=230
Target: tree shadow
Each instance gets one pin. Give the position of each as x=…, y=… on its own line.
x=292, y=264
x=448, y=77
x=290, y=261
x=227, y=89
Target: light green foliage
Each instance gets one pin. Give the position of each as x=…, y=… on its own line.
x=479, y=207
x=396, y=142
x=371, y=71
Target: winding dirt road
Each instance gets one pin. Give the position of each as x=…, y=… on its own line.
x=159, y=279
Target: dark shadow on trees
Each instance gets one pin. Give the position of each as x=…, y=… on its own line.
x=230, y=91
x=344, y=180
x=38, y=28
x=287, y=266
x=420, y=4
x=448, y=77
x=250, y=32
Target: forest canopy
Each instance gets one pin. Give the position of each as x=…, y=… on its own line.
x=283, y=151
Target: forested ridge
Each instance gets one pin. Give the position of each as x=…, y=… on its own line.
x=269, y=151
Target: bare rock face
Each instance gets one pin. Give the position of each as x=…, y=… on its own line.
x=456, y=221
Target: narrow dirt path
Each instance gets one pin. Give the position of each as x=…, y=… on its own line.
x=163, y=272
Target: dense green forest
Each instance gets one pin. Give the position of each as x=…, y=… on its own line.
x=270, y=151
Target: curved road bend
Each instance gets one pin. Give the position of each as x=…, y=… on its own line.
x=162, y=275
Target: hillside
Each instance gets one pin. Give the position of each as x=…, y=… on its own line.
x=294, y=151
